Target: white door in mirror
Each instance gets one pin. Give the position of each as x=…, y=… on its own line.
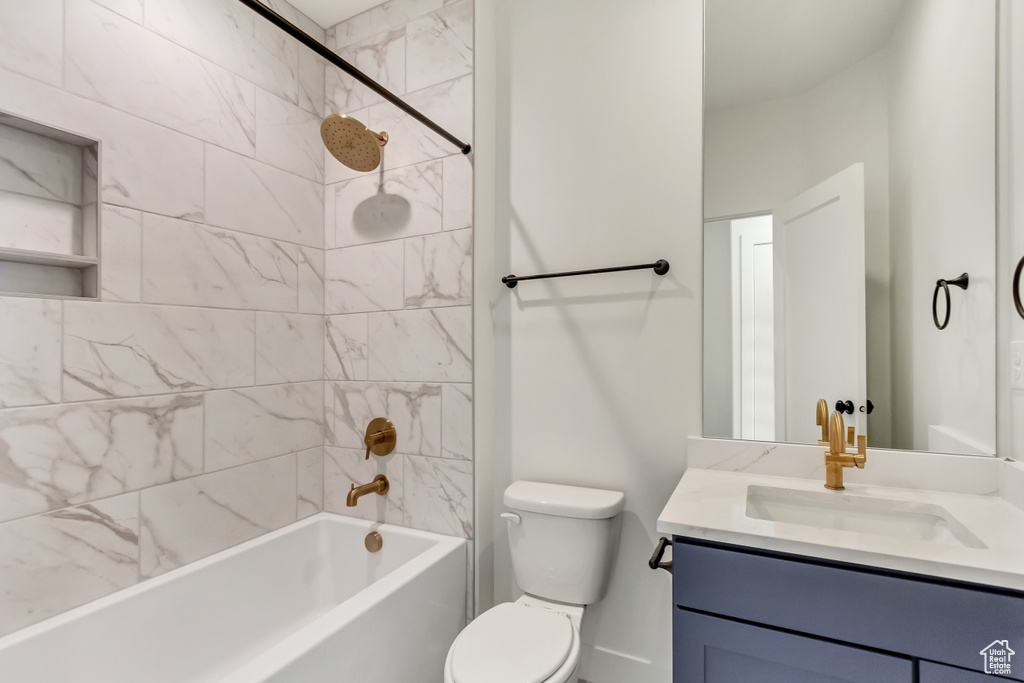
x=820, y=327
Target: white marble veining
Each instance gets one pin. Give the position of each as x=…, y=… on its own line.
x=457, y=421
x=289, y=348
x=55, y=456
x=41, y=183
x=344, y=467
x=129, y=9
x=161, y=82
x=388, y=15
x=188, y=263
x=430, y=345
x=310, y=482
x=30, y=38
x=253, y=197
x=40, y=224
x=207, y=114
x=363, y=278
x=53, y=562
x=145, y=166
x=439, y=269
x=188, y=520
x=414, y=409
x=311, y=82
x=30, y=362
x=449, y=104
x=243, y=425
x=113, y=350
x=713, y=505
x=311, y=280
x=121, y=246
x=39, y=166
x=232, y=36
x=345, y=347
x=409, y=202
x=288, y=137
x=458, y=192
x=381, y=57
x=439, y=495
x=440, y=45
x=292, y=14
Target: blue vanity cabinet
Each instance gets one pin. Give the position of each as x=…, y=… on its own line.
x=713, y=650
x=743, y=614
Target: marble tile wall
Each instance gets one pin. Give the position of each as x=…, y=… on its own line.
x=259, y=302
x=183, y=412
x=398, y=271
x=40, y=192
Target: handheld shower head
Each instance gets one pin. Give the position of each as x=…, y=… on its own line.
x=352, y=143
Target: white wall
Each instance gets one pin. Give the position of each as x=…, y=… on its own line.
x=942, y=172
x=598, y=158
x=761, y=155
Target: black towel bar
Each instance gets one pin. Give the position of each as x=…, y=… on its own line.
x=660, y=267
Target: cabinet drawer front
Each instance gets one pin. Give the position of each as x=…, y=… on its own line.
x=939, y=622
x=711, y=650
x=939, y=673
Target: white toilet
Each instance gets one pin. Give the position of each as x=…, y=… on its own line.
x=563, y=541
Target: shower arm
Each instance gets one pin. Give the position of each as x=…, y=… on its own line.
x=317, y=47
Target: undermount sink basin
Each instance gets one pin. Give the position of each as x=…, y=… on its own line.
x=845, y=512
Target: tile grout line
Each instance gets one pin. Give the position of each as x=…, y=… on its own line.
x=142, y=489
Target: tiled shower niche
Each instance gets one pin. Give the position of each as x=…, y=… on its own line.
x=49, y=218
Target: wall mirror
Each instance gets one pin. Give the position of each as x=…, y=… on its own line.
x=849, y=208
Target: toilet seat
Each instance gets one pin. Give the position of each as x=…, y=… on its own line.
x=515, y=643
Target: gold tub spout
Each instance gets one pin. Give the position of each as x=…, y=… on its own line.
x=379, y=485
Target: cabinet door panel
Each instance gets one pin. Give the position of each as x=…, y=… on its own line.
x=940, y=673
x=711, y=650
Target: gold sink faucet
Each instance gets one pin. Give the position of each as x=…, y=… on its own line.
x=836, y=457
x=379, y=485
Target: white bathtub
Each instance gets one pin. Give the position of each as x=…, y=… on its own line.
x=303, y=604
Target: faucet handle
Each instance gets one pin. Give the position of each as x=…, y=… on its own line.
x=380, y=437
x=850, y=432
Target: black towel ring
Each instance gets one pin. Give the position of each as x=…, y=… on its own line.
x=960, y=282
x=1016, y=287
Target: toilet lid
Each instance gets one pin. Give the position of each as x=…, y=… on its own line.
x=511, y=643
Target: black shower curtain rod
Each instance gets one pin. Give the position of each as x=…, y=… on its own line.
x=317, y=47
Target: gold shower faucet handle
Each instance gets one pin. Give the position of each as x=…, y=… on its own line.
x=380, y=437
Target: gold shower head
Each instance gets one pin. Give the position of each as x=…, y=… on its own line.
x=352, y=143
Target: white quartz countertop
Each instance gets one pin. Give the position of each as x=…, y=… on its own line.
x=712, y=505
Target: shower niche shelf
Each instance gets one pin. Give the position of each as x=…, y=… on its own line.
x=49, y=211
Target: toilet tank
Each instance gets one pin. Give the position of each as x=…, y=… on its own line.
x=563, y=539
